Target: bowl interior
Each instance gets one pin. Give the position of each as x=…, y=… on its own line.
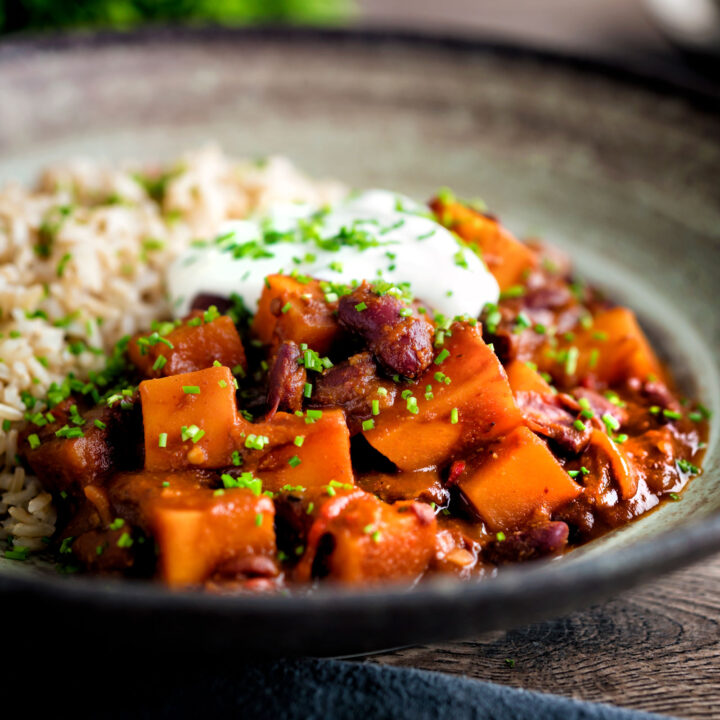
x=623, y=178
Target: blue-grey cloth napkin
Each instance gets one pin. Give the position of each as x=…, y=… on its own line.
x=303, y=689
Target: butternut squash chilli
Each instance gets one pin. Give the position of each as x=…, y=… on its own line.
x=349, y=432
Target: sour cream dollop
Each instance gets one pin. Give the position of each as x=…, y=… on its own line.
x=372, y=235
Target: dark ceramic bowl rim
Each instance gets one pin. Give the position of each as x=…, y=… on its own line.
x=609, y=573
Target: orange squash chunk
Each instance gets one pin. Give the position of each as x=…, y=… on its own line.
x=523, y=378
x=194, y=347
x=506, y=258
x=372, y=540
x=292, y=310
x=323, y=457
x=198, y=530
x=203, y=403
x=478, y=390
x=191, y=420
x=516, y=479
x=613, y=349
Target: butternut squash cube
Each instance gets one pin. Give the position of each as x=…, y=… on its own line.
x=475, y=407
x=371, y=540
x=613, y=349
x=199, y=530
x=292, y=310
x=188, y=419
x=323, y=455
x=194, y=345
x=515, y=479
x=523, y=378
x=506, y=258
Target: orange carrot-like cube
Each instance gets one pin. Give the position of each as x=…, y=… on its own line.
x=289, y=309
x=371, y=540
x=194, y=345
x=188, y=419
x=507, y=258
x=613, y=349
x=307, y=455
x=515, y=479
x=523, y=378
x=463, y=400
x=200, y=530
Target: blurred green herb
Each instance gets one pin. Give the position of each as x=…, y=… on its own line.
x=16, y=15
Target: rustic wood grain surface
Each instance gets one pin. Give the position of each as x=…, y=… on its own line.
x=656, y=649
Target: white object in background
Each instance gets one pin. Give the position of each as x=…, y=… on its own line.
x=693, y=23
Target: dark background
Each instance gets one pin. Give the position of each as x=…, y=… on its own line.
x=624, y=32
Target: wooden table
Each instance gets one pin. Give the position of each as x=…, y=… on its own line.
x=654, y=649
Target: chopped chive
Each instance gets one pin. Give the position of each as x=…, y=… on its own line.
x=522, y=322
x=361, y=306
x=687, y=467
x=515, y=291
x=368, y=424
x=593, y=359
x=294, y=461
x=285, y=307
x=375, y=407
x=611, y=423
x=454, y=416
x=299, y=440
x=191, y=389
x=579, y=425
x=571, y=360
x=442, y=356
x=307, y=390
x=34, y=441
x=125, y=541
x=159, y=363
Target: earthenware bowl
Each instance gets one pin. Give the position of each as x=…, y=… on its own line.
x=623, y=174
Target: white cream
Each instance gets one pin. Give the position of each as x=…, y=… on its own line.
x=411, y=248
